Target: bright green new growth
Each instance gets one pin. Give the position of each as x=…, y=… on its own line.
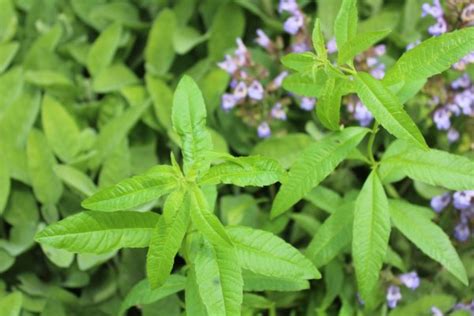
x=187, y=224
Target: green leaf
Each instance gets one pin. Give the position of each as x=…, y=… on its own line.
x=162, y=97
x=10, y=305
x=333, y=236
x=227, y=25
x=4, y=185
x=61, y=130
x=205, y=221
x=194, y=303
x=189, y=121
x=143, y=294
x=345, y=25
x=46, y=185
x=387, y=110
x=324, y=198
x=135, y=191
x=308, y=85
x=329, y=104
x=59, y=257
x=318, y=40
x=114, y=78
x=101, y=53
x=159, y=51
x=301, y=62
x=371, y=232
x=219, y=278
x=7, y=53
x=315, y=163
x=266, y=254
x=258, y=283
x=245, y=171
x=427, y=236
x=434, y=167
x=99, y=232
x=425, y=303
x=75, y=179
x=360, y=43
x=431, y=57
x=167, y=238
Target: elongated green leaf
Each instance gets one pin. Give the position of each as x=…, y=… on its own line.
x=387, y=110
x=162, y=97
x=205, y=221
x=329, y=104
x=75, y=179
x=371, y=232
x=99, y=232
x=46, y=184
x=360, y=43
x=434, y=167
x=142, y=293
x=427, y=236
x=315, y=163
x=134, y=191
x=333, y=236
x=61, y=130
x=318, y=40
x=10, y=305
x=266, y=254
x=167, y=238
x=103, y=50
x=7, y=53
x=245, y=171
x=431, y=57
x=345, y=25
x=159, y=52
x=442, y=302
x=4, y=185
x=219, y=278
x=189, y=121
x=324, y=198
x=301, y=62
x=257, y=282
x=113, y=78
x=305, y=84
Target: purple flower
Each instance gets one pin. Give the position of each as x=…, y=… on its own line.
x=465, y=100
x=435, y=311
x=228, y=101
x=380, y=50
x=378, y=72
x=300, y=47
x=462, y=232
x=439, y=28
x=434, y=10
x=279, y=79
x=441, y=119
x=410, y=280
x=241, y=52
x=240, y=91
x=361, y=113
x=462, y=64
x=228, y=65
x=372, y=61
x=264, y=130
x=262, y=39
x=413, y=45
x=461, y=82
x=288, y=5
x=439, y=202
x=307, y=104
x=454, y=109
x=463, y=199
x=453, y=135
x=255, y=90
x=331, y=46
x=293, y=24
x=393, y=296
x=278, y=112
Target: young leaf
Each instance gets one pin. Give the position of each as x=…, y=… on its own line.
x=7, y=53
x=76, y=179
x=257, y=282
x=189, y=121
x=4, y=185
x=46, y=185
x=142, y=293
x=128, y=193
x=159, y=51
x=305, y=84
x=205, y=221
x=333, y=236
x=427, y=236
x=245, y=171
x=360, y=43
x=330, y=103
x=387, y=110
x=194, y=303
x=315, y=163
x=167, y=238
x=371, y=232
x=99, y=232
x=266, y=254
x=431, y=57
x=345, y=25
x=301, y=62
x=324, y=198
x=318, y=41
x=113, y=78
x=103, y=50
x=219, y=278
x=434, y=167
x=10, y=305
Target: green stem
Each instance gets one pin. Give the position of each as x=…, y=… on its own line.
x=370, y=144
x=392, y=192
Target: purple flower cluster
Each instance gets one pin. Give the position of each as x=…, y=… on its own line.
x=436, y=11
x=463, y=202
x=409, y=280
